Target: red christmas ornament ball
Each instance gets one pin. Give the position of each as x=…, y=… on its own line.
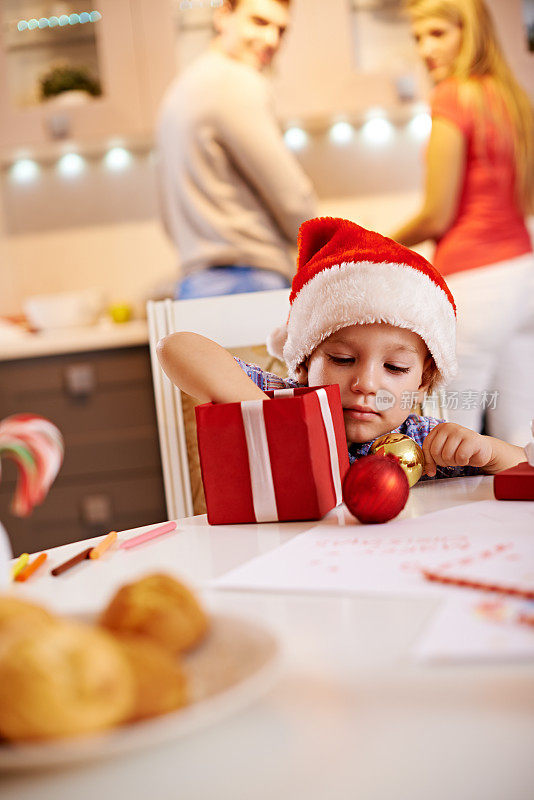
x=376, y=488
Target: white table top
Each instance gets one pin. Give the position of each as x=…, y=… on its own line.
x=353, y=715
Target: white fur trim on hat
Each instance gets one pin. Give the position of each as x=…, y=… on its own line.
x=366, y=292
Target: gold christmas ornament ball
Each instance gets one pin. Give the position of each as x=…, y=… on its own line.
x=407, y=450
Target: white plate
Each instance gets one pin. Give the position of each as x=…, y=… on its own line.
x=236, y=664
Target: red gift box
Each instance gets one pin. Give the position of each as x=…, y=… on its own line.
x=278, y=459
x=516, y=483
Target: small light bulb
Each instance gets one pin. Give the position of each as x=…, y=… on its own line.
x=117, y=158
x=24, y=170
x=420, y=125
x=295, y=138
x=341, y=132
x=70, y=165
x=377, y=131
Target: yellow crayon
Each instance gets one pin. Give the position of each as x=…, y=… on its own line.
x=32, y=567
x=19, y=564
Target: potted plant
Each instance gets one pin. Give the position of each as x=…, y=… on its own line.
x=67, y=78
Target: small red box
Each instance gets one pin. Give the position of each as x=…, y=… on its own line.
x=279, y=459
x=516, y=483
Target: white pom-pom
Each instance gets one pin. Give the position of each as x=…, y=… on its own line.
x=276, y=341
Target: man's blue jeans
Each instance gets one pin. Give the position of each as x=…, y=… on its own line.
x=215, y=281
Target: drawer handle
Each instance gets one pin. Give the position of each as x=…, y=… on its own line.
x=96, y=510
x=80, y=380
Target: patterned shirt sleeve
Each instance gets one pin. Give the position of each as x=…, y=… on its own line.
x=419, y=428
x=265, y=380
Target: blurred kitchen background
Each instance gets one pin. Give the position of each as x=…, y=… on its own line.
x=79, y=207
x=78, y=203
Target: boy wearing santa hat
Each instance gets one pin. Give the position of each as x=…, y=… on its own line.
x=375, y=318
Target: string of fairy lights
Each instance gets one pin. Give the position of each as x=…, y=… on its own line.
x=58, y=22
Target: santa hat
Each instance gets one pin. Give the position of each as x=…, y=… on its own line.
x=347, y=275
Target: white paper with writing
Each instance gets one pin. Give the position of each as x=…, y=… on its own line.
x=388, y=558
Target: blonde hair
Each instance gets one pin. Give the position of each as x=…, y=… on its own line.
x=480, y=55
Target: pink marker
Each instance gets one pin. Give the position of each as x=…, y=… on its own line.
x=167, y=527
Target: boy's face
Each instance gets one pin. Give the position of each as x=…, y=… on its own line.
x=365, y=360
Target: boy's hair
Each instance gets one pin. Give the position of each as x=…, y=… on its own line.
x=431, y=375
x=347, y=275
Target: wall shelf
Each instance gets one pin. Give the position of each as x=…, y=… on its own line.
x=57, y=43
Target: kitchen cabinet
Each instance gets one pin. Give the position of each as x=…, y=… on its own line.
x=111, y=479
x=128, y=48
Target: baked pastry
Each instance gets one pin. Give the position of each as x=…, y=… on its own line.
x=160, y=608
x=160, y=684
x=15, y=613
x=61, y=680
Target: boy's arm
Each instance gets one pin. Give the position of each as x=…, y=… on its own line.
x=504, y=456
x=205, y=370
x=451, y=445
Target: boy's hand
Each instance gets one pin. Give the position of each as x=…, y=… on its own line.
x=450, y=445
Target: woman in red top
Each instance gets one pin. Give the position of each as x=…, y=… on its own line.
x=479, y=187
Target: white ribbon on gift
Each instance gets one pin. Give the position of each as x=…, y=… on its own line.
x=261, y=476
x=332, y=446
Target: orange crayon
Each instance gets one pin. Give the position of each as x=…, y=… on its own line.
x=30, y=568
x=104, y=545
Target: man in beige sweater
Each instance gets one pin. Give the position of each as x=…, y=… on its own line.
x=232, y=195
